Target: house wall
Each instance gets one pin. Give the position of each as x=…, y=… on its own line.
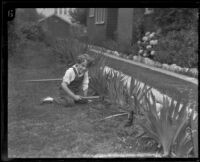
x=96, y=32
x=121, y=24
x=111, y=30
x=124, y=25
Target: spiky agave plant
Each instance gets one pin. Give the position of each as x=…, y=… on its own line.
x=136, y=95
x=183, y=143
x=167, y=127
x=116, y=90
x=98, y=81
x=194, y=129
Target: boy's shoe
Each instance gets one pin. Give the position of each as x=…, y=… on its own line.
x=47, y=100
x=128, y=123
x=130, y=119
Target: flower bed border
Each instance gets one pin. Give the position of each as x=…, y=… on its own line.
x=117, y=55
x=183, y=71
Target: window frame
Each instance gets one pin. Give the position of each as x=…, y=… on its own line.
x=99, y=15
x=91, y=12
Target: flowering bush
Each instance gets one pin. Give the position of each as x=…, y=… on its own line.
x=147, y=45
x=179, y=47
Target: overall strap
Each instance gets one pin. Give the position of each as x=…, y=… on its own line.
x=75, y=71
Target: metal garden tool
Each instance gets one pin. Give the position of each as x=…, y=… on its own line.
x=87, y=99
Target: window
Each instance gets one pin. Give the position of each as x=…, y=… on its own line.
x=65, y=11
x=148, y=11
x=100, y=15
x=91, y=12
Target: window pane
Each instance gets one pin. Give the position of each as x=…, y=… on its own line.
x=100, y=16
x=91, y=12
x=97, y=15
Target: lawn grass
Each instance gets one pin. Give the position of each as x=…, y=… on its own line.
x=50, y=130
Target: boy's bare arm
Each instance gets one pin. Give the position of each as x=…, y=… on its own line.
x=69, y=92
x=85, y=92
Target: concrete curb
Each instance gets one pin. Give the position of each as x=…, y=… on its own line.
x=179, y=76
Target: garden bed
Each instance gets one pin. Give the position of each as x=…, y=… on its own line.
x=193, y=72
x=166, y=84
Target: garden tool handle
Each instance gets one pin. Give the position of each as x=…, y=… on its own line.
x=90, y=97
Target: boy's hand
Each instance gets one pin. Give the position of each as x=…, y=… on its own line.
x=77, y=98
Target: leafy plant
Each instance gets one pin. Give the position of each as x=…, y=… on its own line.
x=194, y=129
x=167, y=127
x=178, y=47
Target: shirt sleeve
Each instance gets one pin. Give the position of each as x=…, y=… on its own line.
x=69, y=76
x=85, y=81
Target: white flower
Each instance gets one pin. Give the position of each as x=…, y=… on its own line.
x=151, y=42
x=149, y=46
x=147, y=33
x=145, y=38
x=154, y=42
x=140, y=51
x=138, y=42
x=145, y=54
x=152, y=35
x=116, y=53
x=152, y=52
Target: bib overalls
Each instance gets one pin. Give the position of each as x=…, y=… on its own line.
x=75, y=86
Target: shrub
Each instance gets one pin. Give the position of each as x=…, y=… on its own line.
x=179, y=47
x=68, y=49
x=33, y=32
x=147, y=45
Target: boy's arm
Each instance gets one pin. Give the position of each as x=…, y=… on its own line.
x=69, y=92
x=85, y=84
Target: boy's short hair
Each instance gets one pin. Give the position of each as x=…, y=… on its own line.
x=83, y=57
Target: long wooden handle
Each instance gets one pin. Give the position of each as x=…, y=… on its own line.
x=90, y=97
x=42, y=80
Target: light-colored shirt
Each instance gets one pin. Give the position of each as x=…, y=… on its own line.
x=70, y=76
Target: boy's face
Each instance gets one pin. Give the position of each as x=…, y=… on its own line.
x=82, y=67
